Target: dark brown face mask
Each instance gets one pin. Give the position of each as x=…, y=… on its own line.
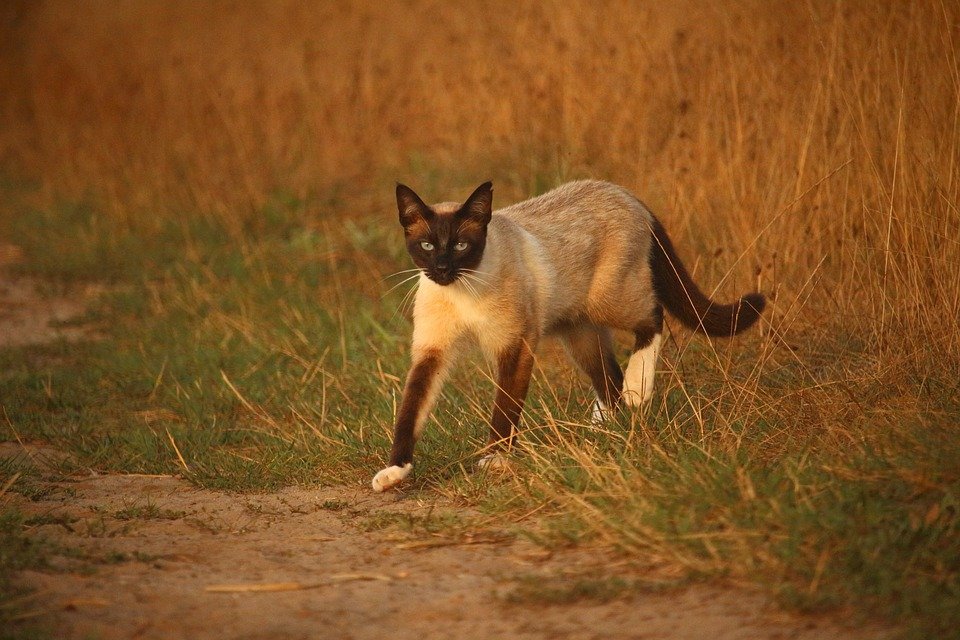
x=445, y=244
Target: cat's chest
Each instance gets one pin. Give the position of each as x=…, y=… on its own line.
x=470, y=311
x=447, y=312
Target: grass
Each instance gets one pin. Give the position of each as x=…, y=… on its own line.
x=147, y=511
x=18, y=551
x=826, y=484
x=250, y=339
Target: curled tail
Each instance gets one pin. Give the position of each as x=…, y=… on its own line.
x=677, y=292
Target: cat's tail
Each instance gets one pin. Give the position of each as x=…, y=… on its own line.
x=677, y=291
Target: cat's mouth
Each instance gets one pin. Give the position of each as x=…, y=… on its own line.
x=443, y=278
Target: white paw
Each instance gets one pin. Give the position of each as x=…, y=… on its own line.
x=599, y=413
x=638, y=378
x=390, y=477
x=493, y=461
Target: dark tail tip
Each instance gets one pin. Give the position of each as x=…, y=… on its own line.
x=748, y=311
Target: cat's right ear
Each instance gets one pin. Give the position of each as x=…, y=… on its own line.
x=410, y=206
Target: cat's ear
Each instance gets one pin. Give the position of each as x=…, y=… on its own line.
x=479, y=205
x=410, y=206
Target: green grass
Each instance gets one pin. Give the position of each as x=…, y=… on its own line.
x=147, y=511
x=872, y=527
x=269, y=358
x=18, y=551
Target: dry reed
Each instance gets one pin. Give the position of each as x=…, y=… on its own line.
x=791, y=141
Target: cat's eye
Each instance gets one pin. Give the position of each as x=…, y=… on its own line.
x=461, y=246
x=426, y=246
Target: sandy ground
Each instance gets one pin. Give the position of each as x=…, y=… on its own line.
x=156, y=575
x=154, y=557
x=27, y=317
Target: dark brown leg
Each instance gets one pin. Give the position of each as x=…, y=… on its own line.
x=419, y=393
x=643, y=334
x=514, y=367
x=592, y=349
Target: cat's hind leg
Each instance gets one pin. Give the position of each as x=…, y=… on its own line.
x=638, y=380
x=591, y=348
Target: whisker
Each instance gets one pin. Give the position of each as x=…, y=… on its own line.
x=470, y=288
x=408, y=299
x=400, y=310
x=400, y=284
x=400, y=273
x=475, y=279
x=469, y=284
x=471, y=276
x=480, y=276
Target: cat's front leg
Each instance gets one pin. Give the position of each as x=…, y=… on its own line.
x=514, y=367
x=419, y=393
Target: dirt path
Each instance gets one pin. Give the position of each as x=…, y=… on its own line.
x=144, y=557
x=151, y=549
x=27, y=317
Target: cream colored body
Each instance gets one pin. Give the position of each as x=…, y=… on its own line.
x=577, y=255
x=575, y=262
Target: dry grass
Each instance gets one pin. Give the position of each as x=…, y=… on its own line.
x=811, y=150
x=815, y=142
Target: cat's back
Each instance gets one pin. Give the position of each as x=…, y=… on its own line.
x=576, y=204
x=585, y=216
x=586, y=237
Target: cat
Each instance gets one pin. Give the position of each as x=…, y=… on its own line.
x=575, y=262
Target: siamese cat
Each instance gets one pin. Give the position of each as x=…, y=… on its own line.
x=573, y=263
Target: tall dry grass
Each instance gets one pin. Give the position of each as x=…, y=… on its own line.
x=817, y=141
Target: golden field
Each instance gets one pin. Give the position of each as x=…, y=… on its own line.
x=816, y=141
x=809, y=150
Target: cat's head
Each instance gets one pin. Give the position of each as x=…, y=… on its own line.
x=444, y=240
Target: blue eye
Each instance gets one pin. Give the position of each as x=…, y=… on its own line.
x=461, y=246
x=426, y=246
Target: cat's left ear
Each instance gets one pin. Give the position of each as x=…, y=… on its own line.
x=479, y=206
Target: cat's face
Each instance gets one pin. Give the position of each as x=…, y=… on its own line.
x=444, y=241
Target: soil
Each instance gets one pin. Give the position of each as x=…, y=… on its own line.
x=154, y=557
x=31, y=316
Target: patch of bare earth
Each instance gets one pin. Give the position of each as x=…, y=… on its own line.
x=153, y=557
x=29, y=317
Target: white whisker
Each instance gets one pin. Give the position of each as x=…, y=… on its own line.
x=480, y=276
x=468, y=282
x=469, y=287
x=408, y=299
x=401, y=283
x=400, y=273
x=474, y=279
